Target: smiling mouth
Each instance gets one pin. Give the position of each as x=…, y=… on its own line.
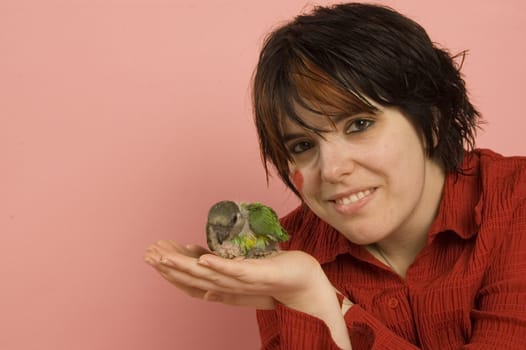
x=353, y=198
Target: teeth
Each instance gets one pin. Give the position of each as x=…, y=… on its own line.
x=353, y=197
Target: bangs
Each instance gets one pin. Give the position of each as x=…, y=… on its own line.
x=311, y=88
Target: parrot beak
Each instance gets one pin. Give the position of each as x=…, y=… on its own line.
x=221, y=233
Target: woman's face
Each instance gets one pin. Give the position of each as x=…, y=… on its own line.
x=368, y=175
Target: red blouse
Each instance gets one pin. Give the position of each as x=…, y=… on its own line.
x=465, y=289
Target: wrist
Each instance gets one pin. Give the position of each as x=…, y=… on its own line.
x=321, y=301
x=317, y=297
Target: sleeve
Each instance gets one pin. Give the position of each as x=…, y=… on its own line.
x=499, y=320
x=287, y=329
x=367, y=332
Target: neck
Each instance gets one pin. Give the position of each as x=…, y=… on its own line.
x=398, y=251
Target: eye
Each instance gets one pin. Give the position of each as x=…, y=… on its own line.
x=300, y=147
x=358, y=125
x=233, y=219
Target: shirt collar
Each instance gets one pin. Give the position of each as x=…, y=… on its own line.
x=461, y=205
x=313, y=235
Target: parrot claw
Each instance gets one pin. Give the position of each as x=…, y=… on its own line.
x=262, y=253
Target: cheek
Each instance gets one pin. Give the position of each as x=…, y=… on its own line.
x=297, y=180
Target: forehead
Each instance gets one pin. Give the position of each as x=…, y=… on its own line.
x=308, y=119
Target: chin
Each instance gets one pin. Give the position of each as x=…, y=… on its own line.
x=360, y=236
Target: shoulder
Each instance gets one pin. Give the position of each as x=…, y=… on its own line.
x=503, y=196
x=499, y=165
x=502, y=181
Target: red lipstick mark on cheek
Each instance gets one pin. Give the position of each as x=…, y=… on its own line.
x=297, y=180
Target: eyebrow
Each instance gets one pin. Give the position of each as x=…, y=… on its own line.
x=335, y=119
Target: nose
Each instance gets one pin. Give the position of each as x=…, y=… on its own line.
x=336, y=161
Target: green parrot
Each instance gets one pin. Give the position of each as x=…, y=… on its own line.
x=236, y=229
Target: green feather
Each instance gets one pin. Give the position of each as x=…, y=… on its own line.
x=264, y=222
x=250, y=242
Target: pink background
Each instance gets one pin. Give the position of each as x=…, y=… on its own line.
x=122, y=121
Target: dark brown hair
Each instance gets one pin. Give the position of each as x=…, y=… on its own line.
x=341, y=56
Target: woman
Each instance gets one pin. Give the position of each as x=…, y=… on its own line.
x=407, y=237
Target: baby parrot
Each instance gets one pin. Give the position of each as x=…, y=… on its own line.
x=251, y=230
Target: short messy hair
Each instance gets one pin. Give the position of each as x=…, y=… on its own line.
x=346, y=55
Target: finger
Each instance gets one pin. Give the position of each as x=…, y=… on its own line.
x=158, y=255
x=244, y=270
x=155, y=254
x=165, y=272
x=163, y=248
x=191, y=291
x=187, y=271
x=190, y=281
x=156, y=251
x=197, y=250
x=151, y=260
x=255, y=301
x=152, y=256
x=152, y=249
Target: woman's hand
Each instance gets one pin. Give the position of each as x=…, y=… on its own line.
x=293, y=278
x=162, y=256
x=155, y=256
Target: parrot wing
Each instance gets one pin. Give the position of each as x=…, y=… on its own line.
x=264, y=221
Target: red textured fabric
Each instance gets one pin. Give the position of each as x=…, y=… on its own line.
x=465, y=290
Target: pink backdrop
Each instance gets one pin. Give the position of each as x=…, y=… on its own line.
x=122, y=121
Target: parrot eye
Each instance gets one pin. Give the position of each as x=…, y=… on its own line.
x=233, y=220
